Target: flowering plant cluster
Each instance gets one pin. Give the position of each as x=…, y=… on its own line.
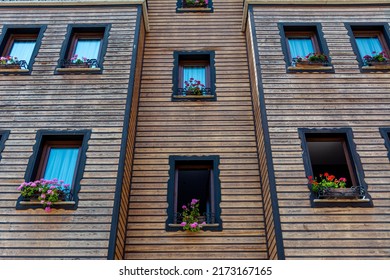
x=313, y=58
x=191, y=216
x=326, y=181
x=46, y=191
x=9, y=60
x=196, y=3
x=76, y=60
x=376, y=57
x=194, y=87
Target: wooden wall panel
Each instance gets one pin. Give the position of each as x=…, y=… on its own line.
x=43, y=100
x=224, y=127
x=346, y=98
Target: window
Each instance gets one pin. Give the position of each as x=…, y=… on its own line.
x=332, y=151
x=3, y=137
x=60, y=155
x=301, y=40
x=19, y=46
x=203, y=6
x=194, y=76
x=371, y=44
x=194, y=177
x=385, y=132
x=83, y=49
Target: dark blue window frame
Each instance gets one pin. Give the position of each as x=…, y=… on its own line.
x=33, y=164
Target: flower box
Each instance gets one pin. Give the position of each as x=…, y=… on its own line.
x=10, y=66
x=77, y=65
x=342, y=193
x=195, y=4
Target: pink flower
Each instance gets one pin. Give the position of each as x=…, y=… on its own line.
x=183, y=224
x=206, y=1
x=194, y=201
x=194, y=225
x=33, y=185
x=48, y=203
x=43, y=196
x=42, y=201
x=49, y=191
x=47, y=209
x=184, y=207
x=343, y=179
x=52, y=187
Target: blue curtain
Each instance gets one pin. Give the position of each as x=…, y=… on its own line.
x=300, y=47
x=61, y=164
x=368, y=45
x=22, y=49
x=196, y=72
x=88, y=48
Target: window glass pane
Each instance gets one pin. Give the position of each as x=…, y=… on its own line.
x=22, y=49
x=61, y=164
x=196, y=72
x=368, y=45
x=88, y=48
x=300, y=47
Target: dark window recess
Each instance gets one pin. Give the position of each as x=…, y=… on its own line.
x=328, y=153
x=194, y=76
x=194, y=179
x=3, y=137
x=331, y=155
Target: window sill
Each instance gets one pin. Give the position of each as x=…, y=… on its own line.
x=194, y=10
x=376, y=67
x=204, y=226
x=342, y=202
x=309, y=68
x=13, y=71
x=193, y=97
x=78, y=70
x=35, y=204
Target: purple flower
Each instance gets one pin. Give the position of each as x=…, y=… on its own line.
x=183, y=224
x=49, y=191
x=43, y=196
x=194, y=201
x=42, y=201
x=194, y=225
x=52, y=187
x=47, y=209
x=48, y=203
x=33, y=185
x=184, y=207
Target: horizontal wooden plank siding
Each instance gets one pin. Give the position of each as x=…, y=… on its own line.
x=224, y=128
x=43, y=100
x=346, y=98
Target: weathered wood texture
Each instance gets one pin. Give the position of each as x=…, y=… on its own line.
x=346, y=98
x=224, y=127
x=125, y=195
x=264, y=172
x=43, y=100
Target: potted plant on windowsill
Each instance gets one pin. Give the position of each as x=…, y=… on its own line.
x=76, y=62
x=44, y=192
x=194, y=87
x=312, y=61
x=376, y=61
x=12, y=64
x=195, y=3
x=191, y=219
x=329, y=187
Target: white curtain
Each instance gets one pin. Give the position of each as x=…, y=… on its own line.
x=368, y=45
x=88, y=48
x=22, y=49
x=61, y=164
x=196, y=72
x=300, y=47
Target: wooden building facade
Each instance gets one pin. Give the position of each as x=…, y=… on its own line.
x=205, y=103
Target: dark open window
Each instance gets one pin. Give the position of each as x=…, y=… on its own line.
x=19, y=46
x=371, y=44
x=84, y=48
x=328, y=153
x=3, y=136
x=194, y=76
x=385, y=132
x=304, y=46
x=59, y=155
x=194, y=178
